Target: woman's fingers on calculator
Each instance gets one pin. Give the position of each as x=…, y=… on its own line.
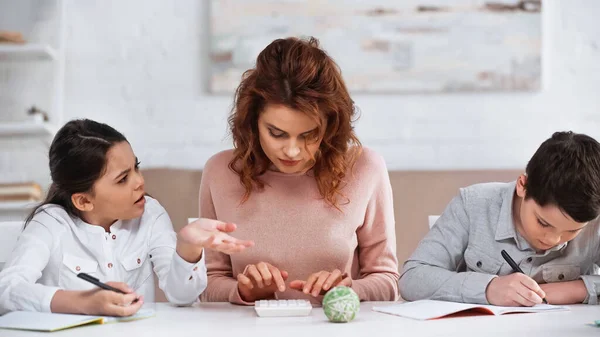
x=279, y=278
x=265, y=273
x=245, y=281
x=260, y=281
x=254, y=275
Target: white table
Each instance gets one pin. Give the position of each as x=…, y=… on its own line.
x=223, y=319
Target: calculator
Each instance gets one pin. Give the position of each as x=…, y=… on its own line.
x=282, y=308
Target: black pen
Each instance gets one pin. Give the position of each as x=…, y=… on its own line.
x=515, y=267
x=97, y=283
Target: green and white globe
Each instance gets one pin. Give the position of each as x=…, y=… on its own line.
x=341, y=304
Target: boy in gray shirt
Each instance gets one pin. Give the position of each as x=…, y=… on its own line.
x=547, y=221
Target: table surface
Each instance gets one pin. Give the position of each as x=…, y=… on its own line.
x=224, y=319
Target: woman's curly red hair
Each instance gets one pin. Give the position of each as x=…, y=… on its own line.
x=298, y=74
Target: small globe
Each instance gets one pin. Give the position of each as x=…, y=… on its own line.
x=341, y=304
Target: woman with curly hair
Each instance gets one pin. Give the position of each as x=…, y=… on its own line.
x=300, y=185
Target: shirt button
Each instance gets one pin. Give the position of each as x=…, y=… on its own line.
x=529, y=259
x=195, y=268
x=78, y=268
x=191, y=277
x=561, y=277
x=114, y=237
x=479, y=264
x=110, y=265
x=139, y=261
x=150, y=255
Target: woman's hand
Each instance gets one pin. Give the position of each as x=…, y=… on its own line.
x=319, y=283
x=260, y=281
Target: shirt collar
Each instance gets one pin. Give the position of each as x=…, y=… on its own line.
x=505, y=228
x=95, y=228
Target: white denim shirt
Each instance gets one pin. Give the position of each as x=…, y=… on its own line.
x=460, y=255
x=54, y=247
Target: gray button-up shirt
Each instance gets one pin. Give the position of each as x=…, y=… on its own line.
x=461, y=253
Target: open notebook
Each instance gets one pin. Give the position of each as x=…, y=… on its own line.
x=48, y=322
x=431, y=309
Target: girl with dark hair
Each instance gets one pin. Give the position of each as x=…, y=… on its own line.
x=97, y=220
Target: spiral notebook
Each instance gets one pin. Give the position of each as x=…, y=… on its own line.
x=48, y=322
x=432, y=309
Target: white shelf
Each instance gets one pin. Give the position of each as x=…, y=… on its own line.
x=10, y=129
x=27, y=52
x=17, y=205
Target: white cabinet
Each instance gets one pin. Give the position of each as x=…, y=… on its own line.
x=31, y=75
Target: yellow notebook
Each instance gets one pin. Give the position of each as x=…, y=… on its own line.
x=48, y=322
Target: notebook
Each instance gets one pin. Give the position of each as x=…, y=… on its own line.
x=48, y=322
x=432, y=309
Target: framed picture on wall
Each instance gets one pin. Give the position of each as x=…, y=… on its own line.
x=389, y=46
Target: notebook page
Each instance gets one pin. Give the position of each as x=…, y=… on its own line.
x=424, y=309
x=430, y=309
x=498, y=310
x=44, y=321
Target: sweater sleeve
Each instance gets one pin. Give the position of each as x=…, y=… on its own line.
x=378, y=274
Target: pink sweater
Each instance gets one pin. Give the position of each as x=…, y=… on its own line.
x=295, y=230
